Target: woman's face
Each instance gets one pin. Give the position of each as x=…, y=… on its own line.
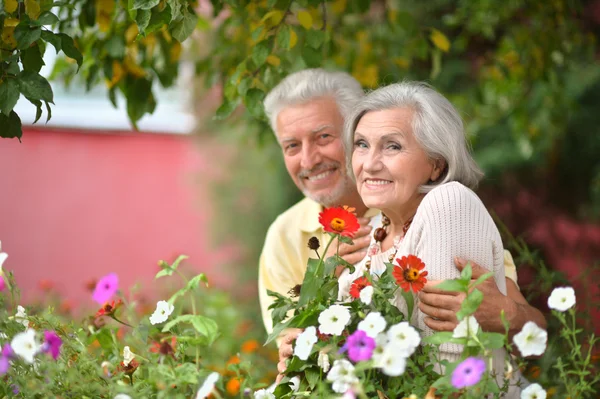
x=388, y=163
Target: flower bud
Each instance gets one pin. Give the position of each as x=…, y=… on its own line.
x=313, y=243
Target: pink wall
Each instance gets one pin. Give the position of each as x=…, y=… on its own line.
x=78, y=205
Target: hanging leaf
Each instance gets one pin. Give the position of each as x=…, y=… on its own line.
x=35, y=86
x=9, y=95
x=440, y=40
x=10, y=126
x=305, y=19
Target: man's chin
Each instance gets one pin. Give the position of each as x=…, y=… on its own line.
x=327, y=199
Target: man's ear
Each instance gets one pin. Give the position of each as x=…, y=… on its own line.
x=439, y=165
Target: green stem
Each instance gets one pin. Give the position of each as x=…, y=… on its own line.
x=119, y=321
x=193, y=303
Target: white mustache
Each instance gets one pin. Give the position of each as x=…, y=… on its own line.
x=319, y=168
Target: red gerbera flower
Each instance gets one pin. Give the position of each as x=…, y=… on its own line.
x=339, y=221
x=410, y=275
x=358, y=285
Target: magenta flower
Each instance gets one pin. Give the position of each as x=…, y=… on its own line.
x=359, y=346
x=5, y=356
x=2, y=283
x=468, y=372
x=106, y=288
x=52, y=344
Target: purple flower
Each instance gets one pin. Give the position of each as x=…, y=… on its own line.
x=5, y=356
x=52, y=344
x=2, y=283
x=15, y=389
x=468, y=372
x=106, y=288
x=359, y=346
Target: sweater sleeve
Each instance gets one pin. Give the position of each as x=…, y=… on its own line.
x=452, y=221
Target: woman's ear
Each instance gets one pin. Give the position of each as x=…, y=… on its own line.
x=439, y=165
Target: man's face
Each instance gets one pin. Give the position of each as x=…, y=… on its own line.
x=310, y=137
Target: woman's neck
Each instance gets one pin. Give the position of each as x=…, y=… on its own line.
x=400, y=217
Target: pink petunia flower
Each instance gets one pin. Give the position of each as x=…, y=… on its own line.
x=106, y=288
x=2, y=283
x=5, y=356
x=52, y=344
x=468, y=372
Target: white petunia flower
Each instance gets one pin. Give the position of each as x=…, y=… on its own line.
x=392, y=362
x=128, y=356
x=21, y=316
x=295, y=383
x=25, y=345
x=3, y=256
x=323, y=361
x=305, y=342
x=122, y=396
x=381, y=342
x=263, y=394
x=404, y=336
x=534, y=391
x=342, y=376
x=208, y=386
x=531, y=340
x=162, y=312
x=366, y=295
x=468, y=326
x=334, y=319
x=373, y=324
x=562, y=299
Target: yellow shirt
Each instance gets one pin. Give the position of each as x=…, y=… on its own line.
x=285, y=253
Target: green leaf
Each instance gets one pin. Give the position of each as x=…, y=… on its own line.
x=38, y=106
x=31, y=58
x=453, y=285
x=48, y=111
x=466, y=273
x=438, y=338
x=204, y=325
x=176, y=8
x=68, y=47
x=105, y=339
x=312, y=282
x=481, y=279
x=196, y=280
x=410, y=302
x=183, y=29
x=492, y=340
x=9, y=95
x=130, y=10
x=158, y=20
x=260, y=53
x=311, y=57
x=25, y=35
x=254, y=99
x=226, y=108
x=144, y=4
x=315, y=38
x=140, y=99
x=143, y=19
x=10, y=126
x=312, y=376
x=115, y=47
x=35, y=86
x=278, y=328
x=283, y=37
x=46, y=18
x=470, y=304
x=53, y=39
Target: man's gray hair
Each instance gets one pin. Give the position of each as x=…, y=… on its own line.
x=303, y=86
x=436, y=124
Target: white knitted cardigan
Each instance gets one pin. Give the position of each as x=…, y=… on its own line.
x=450, y=221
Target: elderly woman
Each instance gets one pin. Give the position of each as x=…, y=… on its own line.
x=410, y=160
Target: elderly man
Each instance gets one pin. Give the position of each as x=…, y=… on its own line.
x=307, y=112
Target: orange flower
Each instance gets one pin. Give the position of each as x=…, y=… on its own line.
x=358, y=285
x=233, y=386
x=109, y=308
x=250, y=346
x=410, y=274
x=128, y=369
x=339, y=221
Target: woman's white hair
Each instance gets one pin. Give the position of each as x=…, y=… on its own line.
x=303, y=86
x=436, y=124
